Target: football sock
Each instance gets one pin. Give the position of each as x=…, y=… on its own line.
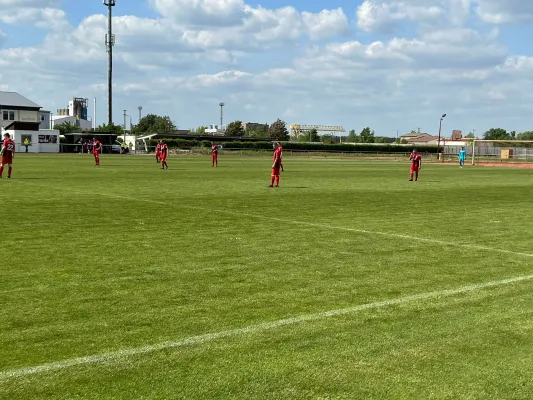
x=272, y=180
x=1, y=170
x=9, y=172
x=277, y=180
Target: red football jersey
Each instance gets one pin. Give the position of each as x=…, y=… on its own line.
x=164, y=149
x=214, y=149
x=9, y=147
x=158, y=148
x=97, y=146
x=416, y=159
x=277, y=157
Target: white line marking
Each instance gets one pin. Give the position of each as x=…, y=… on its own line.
x=120, y=355
x=325, y=226
x=317, y=225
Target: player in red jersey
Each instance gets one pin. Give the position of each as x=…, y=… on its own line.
x=416, y=165
x=8, y=153
x=158, y=152
x=214, y=154
x=276, y=165
x=164, y=154
x=281, y=157
x=97, y=149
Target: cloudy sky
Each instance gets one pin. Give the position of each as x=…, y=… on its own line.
x=391, y=65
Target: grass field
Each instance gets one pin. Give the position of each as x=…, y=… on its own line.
x=347, y=282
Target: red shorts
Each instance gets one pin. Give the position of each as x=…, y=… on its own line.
x=275, y=171
x=215, y=155
x=163, y=157
x=414, y=168
x=157, y=154
x=7, y=159
x=95, y=153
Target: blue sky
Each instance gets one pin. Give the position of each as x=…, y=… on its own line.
x=384, y=64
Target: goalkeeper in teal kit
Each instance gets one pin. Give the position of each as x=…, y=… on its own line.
x=462, y=157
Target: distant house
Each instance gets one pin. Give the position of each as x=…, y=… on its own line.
x=418, y=138
x=17, y=112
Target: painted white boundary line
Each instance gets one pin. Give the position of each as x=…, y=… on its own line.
x=325, y=226
x=120, y=355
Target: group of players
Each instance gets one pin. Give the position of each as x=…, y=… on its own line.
x=161, y=154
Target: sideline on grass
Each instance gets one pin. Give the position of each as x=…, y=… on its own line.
x=121, y=355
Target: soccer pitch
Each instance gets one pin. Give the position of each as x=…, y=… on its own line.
x=347, y=282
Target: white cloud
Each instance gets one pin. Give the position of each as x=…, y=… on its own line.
x=505, y=11
x=269, y=63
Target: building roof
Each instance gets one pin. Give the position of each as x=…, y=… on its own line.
x=414, y=135
x=422, y=139
x=14, y=99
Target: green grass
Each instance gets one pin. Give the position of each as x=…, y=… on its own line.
x=126, y=255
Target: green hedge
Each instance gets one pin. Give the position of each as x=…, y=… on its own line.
x=295, y=146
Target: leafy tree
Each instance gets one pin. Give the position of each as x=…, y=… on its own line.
x=312, y=136
x=67, y=127
x=528, y=135
x=404, y=141
x=256, y=132
x=352, y=136
x=382, y=139
x=497, y=134
x=470, y=136
x=110, y=128
x=234, y=129
x=200, y=130
x=328, y=139
x=278, y=130
x=367, y=135
x=152, y=123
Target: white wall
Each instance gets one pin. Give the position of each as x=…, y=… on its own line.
x=38, y=141
x=83, y=124
x=29, y=116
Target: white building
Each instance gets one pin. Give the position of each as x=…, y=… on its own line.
x=62, y=119
x=15, y=108
x=21, y=118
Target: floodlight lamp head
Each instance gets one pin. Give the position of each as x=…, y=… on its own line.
x=108, y=3
x=443, y=115
x=221, y=104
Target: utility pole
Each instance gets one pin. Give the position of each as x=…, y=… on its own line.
x=125, y=119
x=109, y=43
x=140, y=108
x=438, y=143
x=221, y=105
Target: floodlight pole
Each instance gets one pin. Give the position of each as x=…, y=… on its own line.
x=221, y=105
x=140, y=108
x=109, y=43
x=440, y=129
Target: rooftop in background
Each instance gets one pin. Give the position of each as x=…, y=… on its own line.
x=13, y=99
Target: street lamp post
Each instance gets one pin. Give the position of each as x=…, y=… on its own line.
x=438, y=142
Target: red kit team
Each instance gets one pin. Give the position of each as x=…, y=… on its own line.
x=8, y=153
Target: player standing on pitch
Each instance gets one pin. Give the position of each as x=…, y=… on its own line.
x=462, y=157
x=281, y=156
x=158, y=152
x=97, y=149
x=214, y=154
x=416, y=165
x=8, y=153
x=164, y=154
x=276, y=164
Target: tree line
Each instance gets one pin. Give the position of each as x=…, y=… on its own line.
x=502, y=134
